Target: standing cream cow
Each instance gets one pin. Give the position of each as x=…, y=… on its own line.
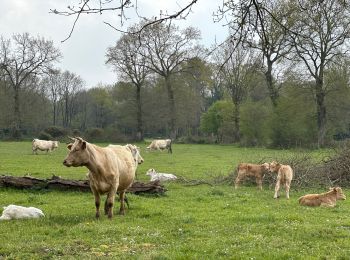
x=111, y=169
x=44, y=145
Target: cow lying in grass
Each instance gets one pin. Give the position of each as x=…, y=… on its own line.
x=158, y=176
x=284, y=176
x=254, y=170
x=19, y=212
x=111, y=169
x=327, y=199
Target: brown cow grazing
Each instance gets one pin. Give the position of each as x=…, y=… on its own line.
x=254, y=170
x=111, y=170
x=284, y=176
x=327, y=199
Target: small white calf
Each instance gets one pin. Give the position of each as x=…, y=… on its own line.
x=19, y=212
x=157, y=176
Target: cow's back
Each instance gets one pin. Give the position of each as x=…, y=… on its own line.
x=286, y=173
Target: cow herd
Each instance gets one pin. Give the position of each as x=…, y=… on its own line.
x=112, y=171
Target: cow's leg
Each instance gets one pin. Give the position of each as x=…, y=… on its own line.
x=110, y=201
x=328, y=205
x=287, y=187
x=122, y=203
x=106, y=207
x=238, y=179
x=259, y=182
x=97, y=202
x=277, y=188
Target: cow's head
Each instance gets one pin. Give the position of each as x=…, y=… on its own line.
x=78, y=154
x=273, y=166
x=55, y=144
x=265, y=167
x=339, y=193
x=135, y=151
x=151, y=172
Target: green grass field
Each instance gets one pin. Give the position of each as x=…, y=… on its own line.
x=189, y=222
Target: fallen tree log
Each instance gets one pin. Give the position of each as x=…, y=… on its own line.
x=57, y=183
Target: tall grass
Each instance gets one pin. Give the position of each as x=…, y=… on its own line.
x=189, y=222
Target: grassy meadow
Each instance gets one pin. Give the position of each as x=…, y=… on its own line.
x=189, y=222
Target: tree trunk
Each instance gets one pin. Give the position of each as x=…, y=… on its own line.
x=236, y=119
x=17, y=113
x=57, y=183
x=321, y=112
x=270, y=84
x=54, y=113
x=172, y=110
x=139, y=134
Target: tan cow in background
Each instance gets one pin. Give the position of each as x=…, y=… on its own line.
x=254, y=170
x=111, y=170
x=160, y=145
x=284, y=177
x=327, y=199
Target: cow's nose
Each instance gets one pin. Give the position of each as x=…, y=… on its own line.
x=64, y=162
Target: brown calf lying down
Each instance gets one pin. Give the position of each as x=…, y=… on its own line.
x=327, y=199
x=253, y=170
x=284, y=176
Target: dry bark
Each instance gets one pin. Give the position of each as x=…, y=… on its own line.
x=57, y=183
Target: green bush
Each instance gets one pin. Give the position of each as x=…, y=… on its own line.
x=95, y=134
x=56, y=131
x=45, y=136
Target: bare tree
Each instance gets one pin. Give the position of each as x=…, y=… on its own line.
x=52, y=85
x=236, y=73
x=127, y=58
x=167, y=49
x=322, y=30
x=71, y=84
x=21, y=58
x=120, y=7
x=263, y=26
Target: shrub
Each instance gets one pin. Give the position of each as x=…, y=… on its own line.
x=95, y=134
x=45, y=136
x=55, y=131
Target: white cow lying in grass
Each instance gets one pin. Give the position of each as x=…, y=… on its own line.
x=157, y=176
x=19, y=212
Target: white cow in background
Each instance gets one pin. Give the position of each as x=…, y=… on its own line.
x=44, y=145
x=160, y=145
x=157, y=176
x=19, y=212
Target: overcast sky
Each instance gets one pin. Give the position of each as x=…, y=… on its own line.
x=84, y=52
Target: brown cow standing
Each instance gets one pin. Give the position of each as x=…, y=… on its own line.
x=327, y=199
x=111, y=170
x=254, y=170
x=284, y=176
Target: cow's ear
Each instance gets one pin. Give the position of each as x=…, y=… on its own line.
x=69, y=146
x=83, y=145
